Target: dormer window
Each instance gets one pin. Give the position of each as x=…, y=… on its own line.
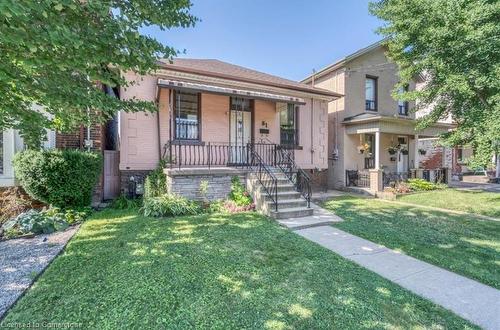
x=371, y=93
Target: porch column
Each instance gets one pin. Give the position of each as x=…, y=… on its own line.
x=377, y=150
x=416, y=152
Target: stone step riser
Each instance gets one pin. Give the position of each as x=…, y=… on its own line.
x=291, y=214
x=287, y=204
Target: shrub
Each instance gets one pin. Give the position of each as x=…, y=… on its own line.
x=170, y=205
x=421, y=184
x=125, y=203
x=155, y=183
x=60, y=178
x=238, y=193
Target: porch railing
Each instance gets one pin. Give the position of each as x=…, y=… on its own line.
x=389, y=178
x=265, y=176
x=369, y=163
x=211, y=154
x=355, y=178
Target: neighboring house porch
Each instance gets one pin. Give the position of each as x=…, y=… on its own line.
x=381, y=150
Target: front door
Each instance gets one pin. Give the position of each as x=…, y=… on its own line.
x=402, y=156
x=240, y=130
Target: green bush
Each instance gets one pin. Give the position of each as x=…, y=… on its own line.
x=422, y=185
x=125, y=203
x=155, y=183
x=238, y=193
x=60, y=178
x=169, y=205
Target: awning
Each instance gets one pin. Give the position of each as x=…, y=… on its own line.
x=182, y=85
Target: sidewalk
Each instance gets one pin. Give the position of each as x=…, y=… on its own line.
x=476, y=302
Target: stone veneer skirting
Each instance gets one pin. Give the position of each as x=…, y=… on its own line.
x=186, y=182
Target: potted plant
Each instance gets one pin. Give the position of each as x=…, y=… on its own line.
x=363, y=147
x=422, y=151
x=392, y=150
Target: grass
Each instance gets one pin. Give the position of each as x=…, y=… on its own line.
x=478, y=202
x=463, y=244
x=214, y=272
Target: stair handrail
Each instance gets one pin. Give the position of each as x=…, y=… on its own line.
x=300, y=180
x=271, y=186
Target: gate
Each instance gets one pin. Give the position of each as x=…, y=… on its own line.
x=111, y=174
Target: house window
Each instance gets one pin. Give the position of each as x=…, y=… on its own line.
x=288, y=124
x=403, y=105
x=460, y=155
x=187, y=115
x=371, y=93
x=1, y=152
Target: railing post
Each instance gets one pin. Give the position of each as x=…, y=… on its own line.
x=180, y=156
x=209, y=156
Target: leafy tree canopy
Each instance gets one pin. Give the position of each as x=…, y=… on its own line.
x=53, y=53
x=454, y=45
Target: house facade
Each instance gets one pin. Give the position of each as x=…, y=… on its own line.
x=372, y=135
x=215, y=120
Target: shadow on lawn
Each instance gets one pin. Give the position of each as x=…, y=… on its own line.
x=217, y=271
x=459, y=243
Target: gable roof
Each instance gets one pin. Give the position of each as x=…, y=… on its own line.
x=343, y=61
x=220, y=69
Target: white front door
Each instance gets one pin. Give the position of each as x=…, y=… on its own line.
x=240, y=130
x=402, y=159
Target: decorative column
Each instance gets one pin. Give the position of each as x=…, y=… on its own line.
x=377, y=150
x=416, y=157
x=376, y=174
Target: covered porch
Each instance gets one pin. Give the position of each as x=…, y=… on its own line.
x=381, y=151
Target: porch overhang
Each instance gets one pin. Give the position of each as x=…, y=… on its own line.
x=393, y=125
x=246, y=93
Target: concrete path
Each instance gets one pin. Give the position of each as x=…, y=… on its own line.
x=320, y=217
x=23, y=259
x=489, y=187
x=476, y=302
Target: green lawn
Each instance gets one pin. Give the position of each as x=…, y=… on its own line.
x=214, y=272
x=463, y=244
x=478, y=202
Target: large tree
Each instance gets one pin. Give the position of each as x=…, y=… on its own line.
x=455, y=46
x=55, y=54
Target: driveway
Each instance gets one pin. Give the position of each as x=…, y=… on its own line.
x=489, y=187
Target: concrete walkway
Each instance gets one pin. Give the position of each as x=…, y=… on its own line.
x=476, y=302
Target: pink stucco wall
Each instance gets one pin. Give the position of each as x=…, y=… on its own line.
x=139, y=132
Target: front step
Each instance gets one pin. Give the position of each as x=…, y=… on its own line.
x=287, y=203
x=293, y=212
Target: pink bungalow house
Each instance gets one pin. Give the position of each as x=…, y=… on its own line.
x=218, y=120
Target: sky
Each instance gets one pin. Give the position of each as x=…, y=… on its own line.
x=287, y=38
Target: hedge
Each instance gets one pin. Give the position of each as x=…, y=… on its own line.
x=61, y=178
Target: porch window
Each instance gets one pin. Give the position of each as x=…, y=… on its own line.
x=187, y=115
x=403, y=105
x=371, y=93
x=288, y=124
x=1, y=152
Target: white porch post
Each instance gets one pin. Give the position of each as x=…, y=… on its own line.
x=377, y=150
x=416, y=152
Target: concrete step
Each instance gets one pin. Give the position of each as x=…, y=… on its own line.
x=293, y=212
x=284, y=195
x=288, y=203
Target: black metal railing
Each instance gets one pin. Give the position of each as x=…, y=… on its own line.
x=370, y=105
x=355, y=178
x=403, y=109
x=439, y=175
x=211, y=154
x=369, y=163
x=289, y=136
x=265, y=176
x=186, y=129
x=299, y=178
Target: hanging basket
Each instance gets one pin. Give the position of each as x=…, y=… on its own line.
x=422, y=151
x=392, y=151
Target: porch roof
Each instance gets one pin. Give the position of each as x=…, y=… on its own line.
x=193, y=86
x=369, y=123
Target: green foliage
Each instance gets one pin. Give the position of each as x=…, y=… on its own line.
x=238, y=193
x=60, y=178
x=169, y=205
x=155, y=183
x=53, y=52
x=453, y=45
x=125, y=203
x=238, y=271
x=422, y=185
